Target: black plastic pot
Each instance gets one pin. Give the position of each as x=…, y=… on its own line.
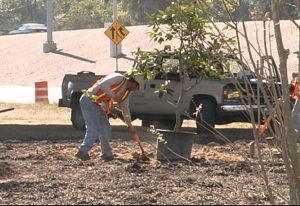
x=176, y=145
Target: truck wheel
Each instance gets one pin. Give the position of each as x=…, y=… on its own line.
x=205, y=120
x=77, y=118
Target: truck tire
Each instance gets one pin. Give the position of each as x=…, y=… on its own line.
x=205, y=120
x=77, y=118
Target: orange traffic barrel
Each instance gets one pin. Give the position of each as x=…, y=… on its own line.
x=41, y=92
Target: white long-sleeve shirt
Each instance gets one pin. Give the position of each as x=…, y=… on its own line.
x=105, y=85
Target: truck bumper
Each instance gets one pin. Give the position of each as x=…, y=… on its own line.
x=243, y=108
x=238, y=113
x=62, y=103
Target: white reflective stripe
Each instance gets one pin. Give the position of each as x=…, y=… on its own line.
x=41, y=89
x=41, y=97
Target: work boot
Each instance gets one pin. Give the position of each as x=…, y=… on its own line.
x=82, y=156
x=107, y=158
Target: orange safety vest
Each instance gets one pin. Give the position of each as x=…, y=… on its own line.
x=103, y=99
x=295, y=91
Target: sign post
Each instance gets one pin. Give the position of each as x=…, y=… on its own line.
x=115, y=50
x=116, y=32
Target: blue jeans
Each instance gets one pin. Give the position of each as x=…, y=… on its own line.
x=97, y=126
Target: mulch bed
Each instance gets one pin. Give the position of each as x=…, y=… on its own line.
x=46, y=172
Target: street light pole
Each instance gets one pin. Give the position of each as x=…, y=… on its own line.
x=115, y=10
x=115, y=50
x=49, y=45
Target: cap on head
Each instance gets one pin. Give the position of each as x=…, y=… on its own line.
x=139, y=80
x=132, y=80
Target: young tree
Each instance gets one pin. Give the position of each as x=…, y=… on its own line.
x=279, y=108
x=289, y=138
x=199, y=51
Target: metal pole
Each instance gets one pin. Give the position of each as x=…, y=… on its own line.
x=115, y=10
x=118, y=48
x=49, y=20
x=49, y=45
x=115, y=50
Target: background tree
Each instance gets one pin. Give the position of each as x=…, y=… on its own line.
x=239, y=10
x=72, y=14
x=87, y=14
x=16, y=12
x=139, y=10
x=260, y=7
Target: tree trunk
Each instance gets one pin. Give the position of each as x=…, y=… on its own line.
x=289, y=141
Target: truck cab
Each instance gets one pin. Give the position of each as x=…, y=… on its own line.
x=221, y=99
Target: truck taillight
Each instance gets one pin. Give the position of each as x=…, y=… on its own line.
x=229, y=94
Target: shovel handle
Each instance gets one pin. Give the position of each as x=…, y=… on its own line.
x=137, y=139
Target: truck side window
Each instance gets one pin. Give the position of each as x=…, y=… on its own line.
x=238, y=70
x=170, y=65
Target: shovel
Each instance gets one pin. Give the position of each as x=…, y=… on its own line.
x=137, y=139
x=135, y=136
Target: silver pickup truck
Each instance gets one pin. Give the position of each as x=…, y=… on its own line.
x=221, y=101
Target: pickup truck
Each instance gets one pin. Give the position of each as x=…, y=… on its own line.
x=220, y=99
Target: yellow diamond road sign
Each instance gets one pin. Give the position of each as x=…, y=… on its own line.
x=116, y=32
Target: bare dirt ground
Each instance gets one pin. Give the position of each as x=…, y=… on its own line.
x=37, y=166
